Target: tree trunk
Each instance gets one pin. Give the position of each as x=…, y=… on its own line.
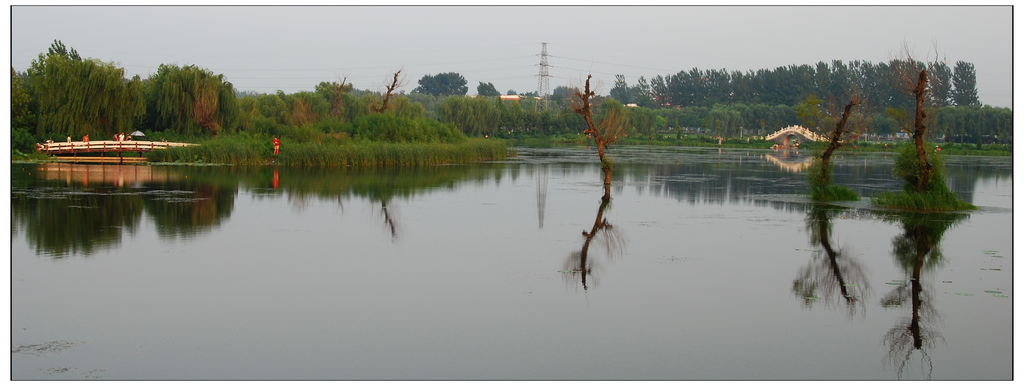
x=924, y=169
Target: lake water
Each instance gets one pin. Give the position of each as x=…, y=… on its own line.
x=703, y=264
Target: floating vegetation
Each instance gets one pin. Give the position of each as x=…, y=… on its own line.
x=993, y=292
x=51, y=347
x=1000, y=295
x=964, y=294
x=813, y=298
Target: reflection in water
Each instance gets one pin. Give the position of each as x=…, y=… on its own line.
x=542, y=193
x=390, y=222
x=579, y=262
x=187, y=208
x=76, y=208
x=790, y=163
x=916, y=250
x=59, y=220
x=831, y=276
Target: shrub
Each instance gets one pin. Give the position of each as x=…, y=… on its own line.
x=936, y=195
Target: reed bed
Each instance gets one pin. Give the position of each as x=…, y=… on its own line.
x=381, y=154
x=255, y=151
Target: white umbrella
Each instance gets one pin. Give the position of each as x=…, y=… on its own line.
x=138, y=134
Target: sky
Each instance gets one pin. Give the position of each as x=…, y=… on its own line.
x=294, y=48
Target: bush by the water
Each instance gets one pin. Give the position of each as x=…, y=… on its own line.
x=936, y=195
x=820, y=180
x=386, y=127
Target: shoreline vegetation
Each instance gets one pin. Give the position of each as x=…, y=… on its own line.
x=248, y=151
x=334, y=151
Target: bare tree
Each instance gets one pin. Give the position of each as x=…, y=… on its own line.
x=911, y=78
x=610, y=128
x=338, y=90
x=395, y=84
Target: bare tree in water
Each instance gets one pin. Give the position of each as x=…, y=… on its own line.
x=911, y=78
x=608, y=130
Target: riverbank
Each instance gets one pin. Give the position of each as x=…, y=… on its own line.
x=993, y=150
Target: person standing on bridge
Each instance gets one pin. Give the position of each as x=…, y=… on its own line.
x=85, y=138
x=277, y=146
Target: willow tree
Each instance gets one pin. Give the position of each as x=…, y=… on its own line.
x=189, y=100
x=473, y=116
x=83, y=96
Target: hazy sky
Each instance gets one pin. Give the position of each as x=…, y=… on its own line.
x=293, y=48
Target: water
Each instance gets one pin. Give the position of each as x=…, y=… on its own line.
x=703, y=265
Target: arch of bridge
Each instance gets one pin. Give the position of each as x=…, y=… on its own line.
x=785, y=135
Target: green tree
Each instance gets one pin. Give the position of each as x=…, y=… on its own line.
x=621, y=91
x=965, y=85
x=487, y=90
x=448, y=83
x=78, y=97
x=941, y=83
x=189, y=100
x=472, y=116
x=22, y=117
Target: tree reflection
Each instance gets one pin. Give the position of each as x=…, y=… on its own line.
x=578, y=264
x=831, y=276
x=63, y=221
x=916, y=250
x=187, y=208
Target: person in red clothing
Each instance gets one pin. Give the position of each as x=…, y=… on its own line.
x=277, y=146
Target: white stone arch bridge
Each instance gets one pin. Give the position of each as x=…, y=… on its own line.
x=786, y=134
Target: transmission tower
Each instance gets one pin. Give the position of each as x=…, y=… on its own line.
x=542, y=76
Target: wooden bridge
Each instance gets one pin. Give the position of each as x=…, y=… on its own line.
x=785, y=134
x=76, y=148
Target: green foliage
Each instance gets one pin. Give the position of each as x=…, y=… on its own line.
x=190, y=100
x=819, y=177
x=79, y=97
x=938, y=198
x=449, y=83
x=487, y=90
x=380, y=154
x=386, y=127
x=235, y=150
x=22, y=140
x=965, y=85
x=473, y=116
x=936, y=195
x=908, y=167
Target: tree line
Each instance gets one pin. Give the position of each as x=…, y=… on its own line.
x=63, y=94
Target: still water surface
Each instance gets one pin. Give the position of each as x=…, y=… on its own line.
x=701, y=265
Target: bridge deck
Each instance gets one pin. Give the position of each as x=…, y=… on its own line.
x=75, y=147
